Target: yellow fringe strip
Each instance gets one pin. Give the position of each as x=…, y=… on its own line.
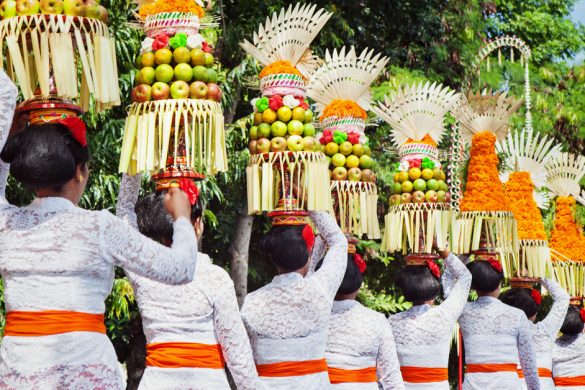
x=500, y=227
x=569, y=274
x=534, y=258
x=357, y=207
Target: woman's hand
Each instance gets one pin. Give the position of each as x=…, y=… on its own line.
x=19, y=120
x=443, y=253
x=177, y=203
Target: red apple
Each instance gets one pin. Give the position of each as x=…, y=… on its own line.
x=104, y=15
x=160, y=91
x=405, y=198
x=263, y=146
x=180, y=90
x=394, y=200
x=28, y=7
x=418, y=197
x=278, y=144
x=54, y=7
x=309, y=143
x=143, y=93
x=354, y=174
x=134, y=99
x=339, y=173
x=330, y=173
x=367, y=175
x=198, y=90
x=447, y=197
x=431, y=196
x=252, y=146
x=213, y=92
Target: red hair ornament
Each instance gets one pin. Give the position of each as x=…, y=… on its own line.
x=188, y=187
x=583, y=314
x=493, y=262
x=434, y=268
x=359, y=262
x=309, y=237
x=536, y=296
x=77, y=128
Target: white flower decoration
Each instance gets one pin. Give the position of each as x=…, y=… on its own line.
x=254, y=104
x=195, y=41
x=404, y=166
x=318, y=136
x=363, y=139
x=290, y=101
x=146, y=46
x=437, y=164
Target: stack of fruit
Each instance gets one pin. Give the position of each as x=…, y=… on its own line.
x=284, y=125
x=172, y=68
x=349, y=158
x=88, y=8
x=420, y=184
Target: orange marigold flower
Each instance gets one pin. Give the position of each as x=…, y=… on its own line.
x=566, y=237
x=426, y=140
x=484, y=190
x=341, y=108
x=518, y=191
x=280, y=67
x=160, y=6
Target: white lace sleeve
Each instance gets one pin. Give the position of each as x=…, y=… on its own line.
x=232, y=335
x=456, y=292
x=8, y=96
x=331, y=272
x=527, y=355
x=129, y=188
x=554, y=320
x=387, y=360
x=318, y=250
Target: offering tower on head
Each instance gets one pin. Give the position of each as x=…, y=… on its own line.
x=419, y=209
x=283, y=148
x=341, y=90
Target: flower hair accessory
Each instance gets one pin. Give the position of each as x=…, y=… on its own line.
x=188, y=187
x=583, y=314
x=536, y=296
x=309, y=237
x=359, y=262
x=493, y=262
x=434, y=268
x=77, y=128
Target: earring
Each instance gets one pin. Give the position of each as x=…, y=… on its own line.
x=80, y=178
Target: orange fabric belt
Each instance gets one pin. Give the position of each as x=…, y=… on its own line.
x=365, y=375
x=424, y=374
x=486, y=368
x=570, y=382
x=50, y=322
x=175, y=355
x=542, y=373
x=276, y=370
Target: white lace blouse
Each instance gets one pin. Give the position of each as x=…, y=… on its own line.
x=544, y=333
x=58, y=257
x=204, y=311
x=287, y=320
x=569, y=358
x=495, y=333
x=423, y=333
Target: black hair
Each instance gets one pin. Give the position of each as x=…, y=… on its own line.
x=521, y=298
x=418, y=284
x=153, y=219
x=286, y=247
x=484, y=277
x=352, y=280
x=573, y=324
x=44, y=156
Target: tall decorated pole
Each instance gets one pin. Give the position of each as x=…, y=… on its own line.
x=175, y=127
x=420, y=209
x=283, y=147
x=341, y=90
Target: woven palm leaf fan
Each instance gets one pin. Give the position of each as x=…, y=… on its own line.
x=567, y=242
x=419, y=209
x=341, y=90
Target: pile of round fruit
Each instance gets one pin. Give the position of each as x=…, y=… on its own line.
x=173, y=71
x=89, y=8
x=349, y=156
x=282, y=124
x=420, y=185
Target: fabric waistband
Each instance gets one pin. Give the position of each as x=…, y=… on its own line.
x=542, y=373
x=487, y=368
x=285, y=369
x=570, y=381
x=424, y=374
x=51, y=322
x=364, y=375
x=176, y=355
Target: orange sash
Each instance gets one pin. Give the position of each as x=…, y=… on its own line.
x=50, y=322
x=570, y=381
x=175, y=355
x=542, y=373
x=365, y=375
x=487, y=368
x=277, y=370
x=424, y=374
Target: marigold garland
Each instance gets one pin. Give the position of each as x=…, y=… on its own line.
x=160, y=6
x=518, y=191
x=280, y=67
x=341, y=108
x=565, y=237
x=426, y=140
x=484, y=190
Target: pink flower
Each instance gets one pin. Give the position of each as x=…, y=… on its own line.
x=160, y=42
x=205, y=47
x=415, y=163
x=275, y=102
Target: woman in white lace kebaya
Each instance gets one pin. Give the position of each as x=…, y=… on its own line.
x=495, y=335
x=287, y=320
x=201, y=314
x=57, y=261
x=423, y=333
x=569, y=351
x=360, y=340
x=544, y=333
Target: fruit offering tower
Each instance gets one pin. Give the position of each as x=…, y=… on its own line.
x=341, y=90
x=420, y=208
x=525, y=193
x=486, y=225
x=283, y=149
x=567, y=243
x=175, y=127
x=47, y=42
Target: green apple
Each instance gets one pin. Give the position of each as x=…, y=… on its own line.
x=208, y=60
x=308, y=116
x=367, y=150
x=295, y=127
x=200, y=73
x=284, y=114
x=328, y=161
x=331, y=148
x=181, y=55
x=345, y=148
x=358, y=150
x=308, y=130
x=183, y=72
x=163, y=56
x=366, y=163
x=76, y=8
x=264, y=130
x=394, y=200
x=197, y=57
x=164, y=73
x=180, y=90
x=309, y=143
x=397, y=188
x=338, y=160
x=146, y=75
x=420, y=185
x=148, y=60
x=352, y=161
x=440, y=196
x=254, y=133
x=212, y=76
x=295, y=143
x=8, y=9
x=442, y=186
x=278, y=129
x=407, y=186
x=433, y=185
x=298, y=113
